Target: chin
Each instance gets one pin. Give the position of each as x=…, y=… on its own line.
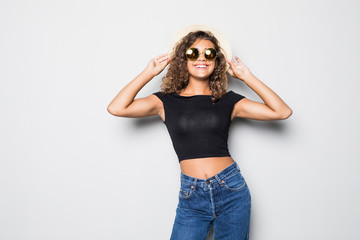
x=199, y=75
x=200, y=78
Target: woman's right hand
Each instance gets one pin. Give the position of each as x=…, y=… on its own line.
x=158, y=64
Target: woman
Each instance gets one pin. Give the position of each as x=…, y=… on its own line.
x=197, y=112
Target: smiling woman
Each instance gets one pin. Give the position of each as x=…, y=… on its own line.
x=197, y=55
x=197, y=110
x=201, y=68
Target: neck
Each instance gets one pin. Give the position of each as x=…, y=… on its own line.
x=197, y=87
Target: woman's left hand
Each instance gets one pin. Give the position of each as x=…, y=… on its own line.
x=237, y=69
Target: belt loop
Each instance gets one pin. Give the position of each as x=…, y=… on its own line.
x=237, y=166
x=193, y=184
x=218, y=179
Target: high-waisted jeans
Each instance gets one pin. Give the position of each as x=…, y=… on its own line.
x=222, y=200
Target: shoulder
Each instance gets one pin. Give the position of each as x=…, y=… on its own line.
x=163, y=96
x=233, y=97
x=160, y=95
x=233, y=94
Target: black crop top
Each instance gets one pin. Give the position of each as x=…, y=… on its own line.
x=197, y=127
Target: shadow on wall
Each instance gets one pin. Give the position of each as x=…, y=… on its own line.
x=145, y=121
x=278, y=126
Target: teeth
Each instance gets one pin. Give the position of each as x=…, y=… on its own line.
x=201, y=66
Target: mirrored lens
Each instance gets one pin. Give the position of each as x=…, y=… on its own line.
x=210, y=54
x=192, y=54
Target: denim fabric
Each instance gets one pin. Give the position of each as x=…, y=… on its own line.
x=223, y=200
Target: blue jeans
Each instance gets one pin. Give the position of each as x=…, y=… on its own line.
x=222, y=200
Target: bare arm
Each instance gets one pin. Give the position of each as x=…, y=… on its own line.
x=124, y=105
x=273, y=109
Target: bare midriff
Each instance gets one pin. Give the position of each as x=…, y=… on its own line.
x=203, y=168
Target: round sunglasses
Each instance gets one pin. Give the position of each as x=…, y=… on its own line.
x=193, y=54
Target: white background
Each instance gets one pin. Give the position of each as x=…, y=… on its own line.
x=70, y=170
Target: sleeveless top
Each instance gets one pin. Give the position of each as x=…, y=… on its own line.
x=197, y=127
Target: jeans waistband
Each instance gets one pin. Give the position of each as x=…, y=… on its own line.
x=216, y=178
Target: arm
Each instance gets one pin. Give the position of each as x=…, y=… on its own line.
x=273, y=108
x=124, y=105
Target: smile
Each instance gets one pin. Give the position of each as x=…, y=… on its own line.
x=201, y=66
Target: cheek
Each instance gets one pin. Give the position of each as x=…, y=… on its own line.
x=190, y=68
x=188, y=65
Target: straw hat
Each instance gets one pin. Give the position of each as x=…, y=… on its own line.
x=223, y=41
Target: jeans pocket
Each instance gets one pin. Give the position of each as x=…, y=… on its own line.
x=185, y=191
x=234, y=182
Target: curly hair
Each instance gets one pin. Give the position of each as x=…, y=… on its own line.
x=177, y=76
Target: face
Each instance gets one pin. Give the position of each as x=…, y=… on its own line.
x=201, y=68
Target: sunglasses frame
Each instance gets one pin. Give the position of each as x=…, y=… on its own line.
x=198, y=53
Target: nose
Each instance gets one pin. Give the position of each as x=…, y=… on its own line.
x=201, y=57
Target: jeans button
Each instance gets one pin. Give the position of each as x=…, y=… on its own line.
x=207, y=181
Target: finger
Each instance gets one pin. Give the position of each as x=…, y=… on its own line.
x=232, y=64
x=161, y=55
x=156, y=61
x=238, y=59
x=232, y=68
x=164, y=63
x=163, y=58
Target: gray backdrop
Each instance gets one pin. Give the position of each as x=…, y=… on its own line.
x=70, y=170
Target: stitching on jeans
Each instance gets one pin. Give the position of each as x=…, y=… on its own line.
x=235, y=189
x=185, y=195
x=233, y=172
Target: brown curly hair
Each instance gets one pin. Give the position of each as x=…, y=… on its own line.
x=177, y=76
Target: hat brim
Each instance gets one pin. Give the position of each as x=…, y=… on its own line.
x=223, y=41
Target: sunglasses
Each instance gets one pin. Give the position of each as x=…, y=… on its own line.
x=193, y=54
